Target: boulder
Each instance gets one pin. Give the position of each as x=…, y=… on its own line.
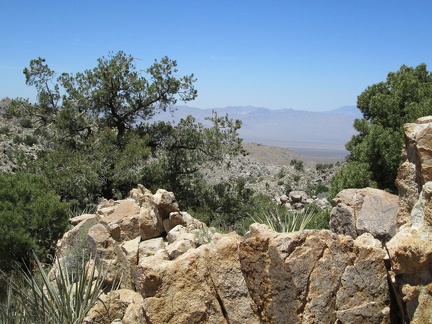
x=127, y=256
x=283, y=199
x=201, y=285
x=173, y=269
x=124, y=221
x=77, y=236
x=367, y=210
x=166, y=203
x=102, y=247
x=297, y=196
x=151, y=247
x=124, y=305
x=74, y=221
x=183, y=219
x=314, y=277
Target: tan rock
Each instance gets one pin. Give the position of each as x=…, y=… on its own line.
x=102, y=247
x=365, y=210
x=150, y=247
x=410, y=250
x=77, y=236
x=127, y=256
x=204, y=285
x=177, y=232
x=179, y=247
x=184, y=219
x=417, y=167
x=166, y=203
x=120, y=306
x=125, y=218
x=150, y=224
x=81, y=218
x=141, y=194
x=314, y=277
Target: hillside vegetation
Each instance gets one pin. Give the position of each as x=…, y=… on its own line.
x=89, y=137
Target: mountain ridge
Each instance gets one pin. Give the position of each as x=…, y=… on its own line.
x=319, y=135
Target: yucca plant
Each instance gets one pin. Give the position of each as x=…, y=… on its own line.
x=66, y=299
x=280, y=219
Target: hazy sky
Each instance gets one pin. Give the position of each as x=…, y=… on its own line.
x=305, y=54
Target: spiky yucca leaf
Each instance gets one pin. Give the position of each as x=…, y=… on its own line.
x=67, y=299
x=280, y=219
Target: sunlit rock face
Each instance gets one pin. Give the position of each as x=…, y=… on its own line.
x=373, y=266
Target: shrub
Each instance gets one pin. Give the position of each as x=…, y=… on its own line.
x=280, y=219
x=4, y=130
x=31, y=218
x=30, y=140
x=320, y=219
x=323, y=166
x=37, y=299
x=17, y=139
x=317, y=190
x=298, y=165
x=26, y=123
x=351, y=175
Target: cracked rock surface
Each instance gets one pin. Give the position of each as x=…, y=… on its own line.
x=189, y=274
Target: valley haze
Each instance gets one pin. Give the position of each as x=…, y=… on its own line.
x=319, y=136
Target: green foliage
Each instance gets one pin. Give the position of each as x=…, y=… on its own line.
x=26, y=123
x=282, y=172
x=120, y=96
x=320, y=219
x=41, y=76
x=67, y=299
x=351, y=175
x=30, y=140
x=31, y=218
x=298, y=165
x=280, y=219
x=226, y=205
x=386, y=106
x=4, y=130
x=317, y=189
x=323, y=166
x=185, y=148
x=101, y=145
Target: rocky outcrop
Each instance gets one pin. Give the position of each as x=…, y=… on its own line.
x=315, y=277
x=374, y=266
x=189, y=274
x=410, y=250
x=367, y=210
x=416, y=169
x=402, y=224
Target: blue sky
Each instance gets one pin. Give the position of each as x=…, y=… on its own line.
x=305, y=54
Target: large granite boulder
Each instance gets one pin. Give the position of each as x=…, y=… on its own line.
x=367, y=210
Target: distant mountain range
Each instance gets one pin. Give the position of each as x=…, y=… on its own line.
x=317, y=135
